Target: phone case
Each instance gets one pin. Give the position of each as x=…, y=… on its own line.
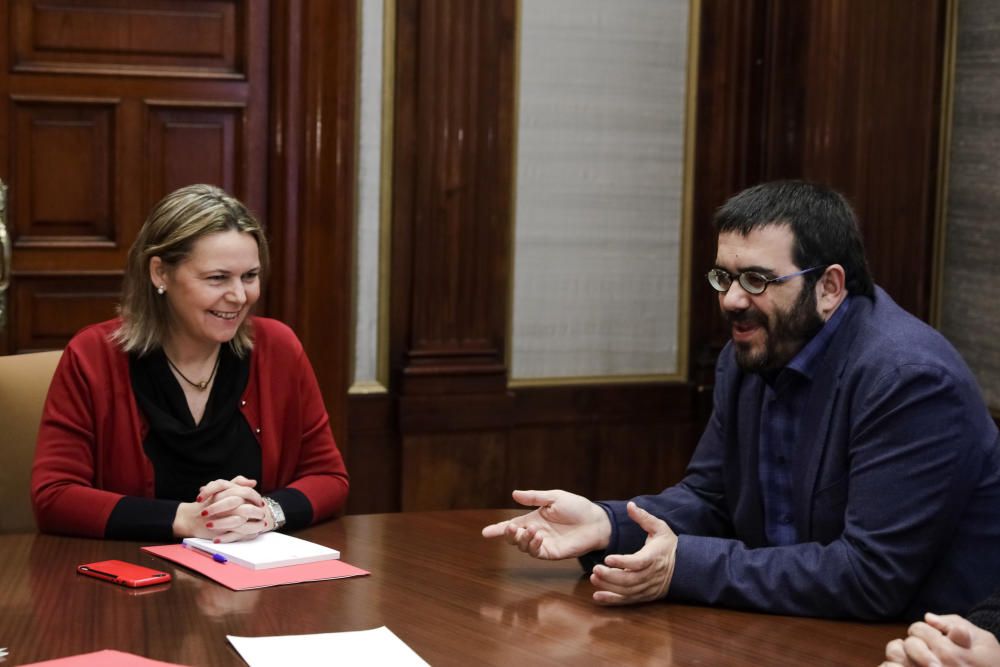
x=124, y=574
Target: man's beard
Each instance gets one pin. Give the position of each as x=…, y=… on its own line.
x=783, y=337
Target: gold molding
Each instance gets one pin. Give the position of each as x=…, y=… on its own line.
x=944, y=160
x=385, y=192
x=512, y=228
x=367, y=388
x=352, y=336
x=380, y=384
x=6, y=259
x=575, y=380
x=687, y=223
x=687, y=213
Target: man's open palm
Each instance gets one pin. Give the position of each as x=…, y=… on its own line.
x=565, y=525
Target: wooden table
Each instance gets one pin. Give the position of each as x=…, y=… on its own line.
x=452, y=596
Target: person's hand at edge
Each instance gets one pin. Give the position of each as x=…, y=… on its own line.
x=954, y=641
x=895, y=655
x=643, y=576
x=944, y=641
x=565, y=525
x=954, y=627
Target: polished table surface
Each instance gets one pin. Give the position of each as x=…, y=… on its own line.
x=452, y=596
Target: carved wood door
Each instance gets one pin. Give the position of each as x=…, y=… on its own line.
x=106, y=106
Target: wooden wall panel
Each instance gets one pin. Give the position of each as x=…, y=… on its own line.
x=643, y=457
x=451, y=238
x=728, y=154
x=194, y=144
x=553, y=456
x=851, y=101
x=454, y=470
x=856, y=104
x=88, y=152
x=373, y=455
x=168, y=37
x=313, y=186
x=64, y=171
x=611, y=441
x=451, y=223
x=49, y=309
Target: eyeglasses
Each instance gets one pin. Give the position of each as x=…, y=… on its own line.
x=753, y=282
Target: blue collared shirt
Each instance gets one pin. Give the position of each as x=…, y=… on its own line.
x=785, y=399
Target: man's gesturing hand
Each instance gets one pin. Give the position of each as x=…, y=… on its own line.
x=644, y=575
x=565, y=525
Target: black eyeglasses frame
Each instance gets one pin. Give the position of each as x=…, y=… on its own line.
x=719, y=286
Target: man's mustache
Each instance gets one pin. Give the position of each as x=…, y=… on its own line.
x=751, y=315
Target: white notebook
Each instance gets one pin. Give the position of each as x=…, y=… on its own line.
x=267, y=550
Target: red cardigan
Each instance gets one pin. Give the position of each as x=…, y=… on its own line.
x=90, y=450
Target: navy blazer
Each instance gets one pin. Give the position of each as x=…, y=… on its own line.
x=896, y=486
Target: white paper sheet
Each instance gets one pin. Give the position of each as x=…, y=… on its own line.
x=378, y=646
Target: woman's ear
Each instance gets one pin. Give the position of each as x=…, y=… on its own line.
x=157, y=272
x=830, y=290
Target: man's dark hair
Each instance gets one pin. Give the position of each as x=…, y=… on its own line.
x=822, y=222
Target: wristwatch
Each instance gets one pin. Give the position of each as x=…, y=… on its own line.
x=276, y=512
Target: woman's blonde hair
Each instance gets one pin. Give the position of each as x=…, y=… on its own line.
x=170, y=232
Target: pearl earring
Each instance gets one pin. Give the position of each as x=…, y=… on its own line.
x=160, y=290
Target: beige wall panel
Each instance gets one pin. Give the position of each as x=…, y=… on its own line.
x=599, y=189
x=369, y=217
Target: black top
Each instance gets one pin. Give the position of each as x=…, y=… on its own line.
x=986, y=614
x=186, y=455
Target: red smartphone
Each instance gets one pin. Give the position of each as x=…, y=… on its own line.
x=124, y=574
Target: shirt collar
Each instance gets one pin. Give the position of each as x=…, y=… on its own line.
x=806, y=360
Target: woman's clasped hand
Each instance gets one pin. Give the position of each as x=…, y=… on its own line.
x=225, y=511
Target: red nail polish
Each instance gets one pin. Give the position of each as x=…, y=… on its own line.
x=204, y=512
x=198, y=499
x=208, y=525
x=216, y=540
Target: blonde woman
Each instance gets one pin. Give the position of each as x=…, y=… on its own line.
x=186, y=416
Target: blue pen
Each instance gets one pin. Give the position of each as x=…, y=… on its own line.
x=218, y=558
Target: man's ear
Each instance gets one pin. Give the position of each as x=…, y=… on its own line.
x=831, y=290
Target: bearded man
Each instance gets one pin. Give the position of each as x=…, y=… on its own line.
x=850, y=467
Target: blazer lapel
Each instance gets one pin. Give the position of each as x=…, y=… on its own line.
x=814, y=430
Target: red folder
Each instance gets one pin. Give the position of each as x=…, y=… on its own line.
x=103, y=659
x=240, y=578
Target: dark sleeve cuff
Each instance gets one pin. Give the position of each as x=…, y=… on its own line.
x=297, y=508
x=986, y=614
x=142, y=519
x=588, y=561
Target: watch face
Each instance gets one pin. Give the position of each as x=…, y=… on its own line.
x=276, y=512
